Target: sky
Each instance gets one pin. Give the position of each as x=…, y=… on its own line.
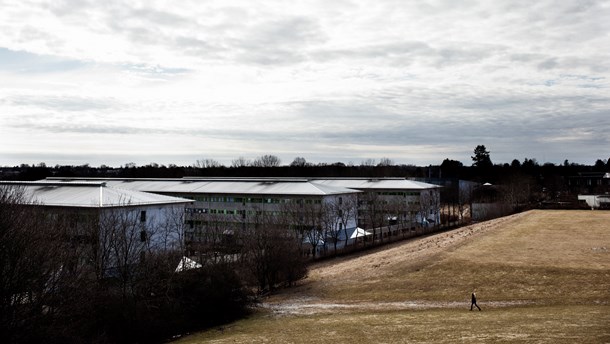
x=114, y=82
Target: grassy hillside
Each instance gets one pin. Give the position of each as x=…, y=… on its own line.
x=541, y=276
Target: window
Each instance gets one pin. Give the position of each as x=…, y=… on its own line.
x=340, y=200
x=143, y=216
x=143, y=236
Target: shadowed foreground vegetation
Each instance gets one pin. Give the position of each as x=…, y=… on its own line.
x=541, y=277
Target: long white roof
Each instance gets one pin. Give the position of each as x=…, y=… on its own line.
x=234, y=186
x=261, y=186
x=86, y=194
x=376, y=183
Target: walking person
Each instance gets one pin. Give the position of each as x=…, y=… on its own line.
x=473, y=300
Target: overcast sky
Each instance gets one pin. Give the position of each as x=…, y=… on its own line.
x=112, y=82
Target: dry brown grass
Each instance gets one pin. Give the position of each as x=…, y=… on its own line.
x=541, y=276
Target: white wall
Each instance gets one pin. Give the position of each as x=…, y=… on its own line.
x=163, y=226
x=335, y=199
x=595, y=201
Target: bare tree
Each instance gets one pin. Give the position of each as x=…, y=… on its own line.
x=313, y=216
x=126, y=242
x=267, y=161
x=346, y=209
x=292, y=210
x=213, y=234
x=240, y=162
x=207, y=163
x=270, y=251
x=368, y=162
x=299, y=162
x=429, y=207
x=516, y=190
x=170, y=233
x=406, y=220
x=395, y=213
x=331, y=222
x=257, y=237
x=50, y=291
x=371, y=211
x=306, y=219
x=465, y=201
x=385, y=162
x=35, y=260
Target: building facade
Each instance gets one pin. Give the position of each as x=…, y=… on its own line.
x=324, y=211
x=107, y=224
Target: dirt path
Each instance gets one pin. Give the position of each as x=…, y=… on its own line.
x=308, y=306
x=309, y=297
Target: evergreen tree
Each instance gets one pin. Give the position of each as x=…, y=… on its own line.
x=481, y=157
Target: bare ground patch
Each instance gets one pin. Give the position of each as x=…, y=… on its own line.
x=307, y=306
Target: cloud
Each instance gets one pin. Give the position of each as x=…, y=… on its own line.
x=277, y=42
x=24, y=62
x=431, y=78
x=58, y=103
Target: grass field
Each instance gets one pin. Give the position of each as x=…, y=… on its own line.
x=540, y=276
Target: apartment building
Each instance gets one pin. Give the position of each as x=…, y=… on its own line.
x=93, y=208
x=344, y=207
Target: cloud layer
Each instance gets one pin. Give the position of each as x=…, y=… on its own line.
x=118, y=81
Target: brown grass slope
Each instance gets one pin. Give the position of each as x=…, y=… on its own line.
x=541, y=277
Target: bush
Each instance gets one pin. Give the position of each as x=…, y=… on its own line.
x=169, y=304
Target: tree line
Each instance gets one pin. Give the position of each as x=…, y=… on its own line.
x=481, y=169
x=265, y=166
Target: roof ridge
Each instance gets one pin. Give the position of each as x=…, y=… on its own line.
x=330, y=187
x=52, y=183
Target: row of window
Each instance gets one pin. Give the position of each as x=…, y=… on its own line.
x=230, y=199
x=243, y=200
x=230, y=211
x=196, y=227
x=360, y=203
x=395, y=193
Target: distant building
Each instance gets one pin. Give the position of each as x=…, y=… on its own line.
x=91, y=212
x=222, y=206
x=595, y=201
x=407, y=202
x=488, y=202
x=590, y=183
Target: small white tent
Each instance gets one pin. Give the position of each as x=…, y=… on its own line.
x=359, y=233
x=187, y=263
